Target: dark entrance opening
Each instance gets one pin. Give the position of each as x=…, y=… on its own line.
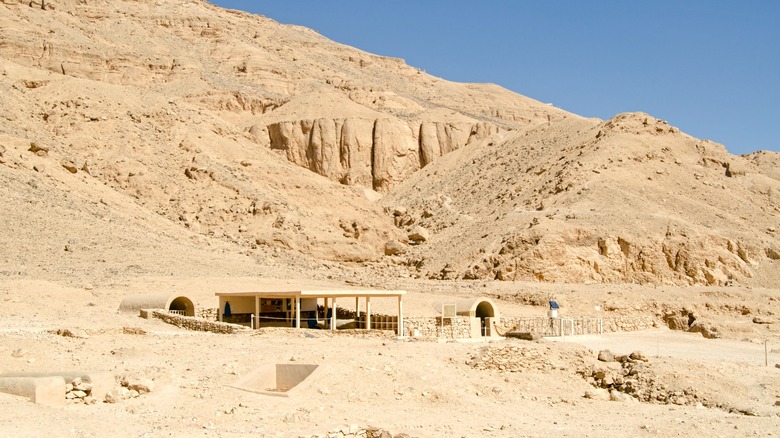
x=484, y=310
x=182, y=305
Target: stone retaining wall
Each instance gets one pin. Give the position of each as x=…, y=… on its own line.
x=628, y=323
x=570, y=326
x=211, y=314
x=192, y=323
x=453, y=328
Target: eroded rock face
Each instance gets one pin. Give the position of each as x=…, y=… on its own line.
x=374, y=153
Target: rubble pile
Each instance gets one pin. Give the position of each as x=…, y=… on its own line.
x=131, y=387
x=78, y=391
x=630, y=377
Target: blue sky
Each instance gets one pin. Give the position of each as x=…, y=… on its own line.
x=709, y=67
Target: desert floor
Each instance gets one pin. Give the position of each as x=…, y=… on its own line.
x=422, y=387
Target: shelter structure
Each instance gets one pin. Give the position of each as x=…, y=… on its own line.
x=170, y=302
x=300, y=308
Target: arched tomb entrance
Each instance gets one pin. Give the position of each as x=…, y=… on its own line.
x=173, y=303
x=483, y=315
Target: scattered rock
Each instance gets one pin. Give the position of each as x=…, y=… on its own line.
x=526, y=336
x=762, y=320
x=141, y=385
x=117, y=394
x=618, y=396
x=394, y=247
x=70, y=166
x=64, y=333
x=38, y=150
x=597, y=394
x=638, y=355
x=606, y=356
x=419, y=234
x=709, y=331
x=399, y=211
x=133, y=331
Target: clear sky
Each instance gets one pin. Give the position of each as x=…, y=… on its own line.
x=709, y=67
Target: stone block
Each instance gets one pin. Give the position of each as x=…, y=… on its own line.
x=47, y=391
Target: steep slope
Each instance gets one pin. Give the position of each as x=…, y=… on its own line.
x=241, y=68
x=194, y=111
x=631, y=199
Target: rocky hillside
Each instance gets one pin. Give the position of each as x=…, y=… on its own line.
x=630, y=200
x=191, y=110
x=231, y=129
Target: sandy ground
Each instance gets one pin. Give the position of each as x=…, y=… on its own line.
x=674, y=344
x=425, y=388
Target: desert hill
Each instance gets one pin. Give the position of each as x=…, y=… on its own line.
x=191, y=110
x=234, y=129
x=630, y=199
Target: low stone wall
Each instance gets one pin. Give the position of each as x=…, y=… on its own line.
x=211, y=314
x=452, y=328
x=628, y=323
x=570, y=326
x=196, y=324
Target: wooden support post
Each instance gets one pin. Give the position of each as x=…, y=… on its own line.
x=368, y=313
x=257, y=312
x=400, y=316
x=297, y=312
x=333, y=316
x=325, y=312
x=357, y=312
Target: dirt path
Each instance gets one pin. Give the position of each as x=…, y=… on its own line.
x=669, y=343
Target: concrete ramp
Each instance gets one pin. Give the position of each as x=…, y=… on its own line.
x=282, y=380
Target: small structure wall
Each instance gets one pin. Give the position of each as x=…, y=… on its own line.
x=191, y=323
x=459, y=327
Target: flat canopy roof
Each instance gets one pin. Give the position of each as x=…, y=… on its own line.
x=315, y=293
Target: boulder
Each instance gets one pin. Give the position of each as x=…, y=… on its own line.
x=419, y=234
x=618, y=396
x=597, y=394
x=606, y=356
x=639, y=355
x=38, y=150
x=709, y=331
x=117, y=394
x=141, y=385
x=394, y=247
x=677, y=322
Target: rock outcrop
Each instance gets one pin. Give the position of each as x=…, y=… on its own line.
x=373, y=153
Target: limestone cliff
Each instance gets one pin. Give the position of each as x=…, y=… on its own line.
x=374, y=153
